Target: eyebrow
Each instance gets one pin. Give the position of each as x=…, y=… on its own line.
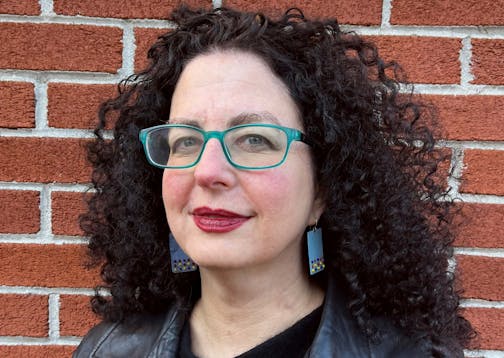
x=242, y=118
x=246, y=118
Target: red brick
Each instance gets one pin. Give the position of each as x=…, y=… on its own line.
x=66, y=208
x=145, y=38
x=361, y=12
x=45, y=266
x=43, y=160
x=19, y=211
x=480, y=225
x=16, y=7
x=36, y=351
x=483, y=172
x=141, y=9
x=482, y=277
x=24, y=315
x=60, y=47
x=17, y=105
x=76, y=317
x=470, y=117
x=489, y=323
x=424, y=59
x=443, y=172
x=76, y=105
x=487, y=61
x=447, y=12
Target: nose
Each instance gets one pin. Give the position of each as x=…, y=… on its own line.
x=213, y=170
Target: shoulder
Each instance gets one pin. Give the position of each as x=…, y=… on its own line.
x=395, y=343
x=138, y=336
x=339, y=335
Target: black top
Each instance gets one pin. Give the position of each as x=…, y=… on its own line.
x=294, y=342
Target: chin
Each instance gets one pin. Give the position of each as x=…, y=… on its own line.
x=222, y=261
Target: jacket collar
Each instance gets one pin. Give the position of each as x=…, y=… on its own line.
x=338, y=335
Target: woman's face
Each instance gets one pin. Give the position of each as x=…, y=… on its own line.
x=221, y=216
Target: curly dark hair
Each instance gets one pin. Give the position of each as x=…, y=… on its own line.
x=387, y=215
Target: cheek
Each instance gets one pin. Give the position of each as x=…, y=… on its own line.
x=280, y=192
x=175, y=190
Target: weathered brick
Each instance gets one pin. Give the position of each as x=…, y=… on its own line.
x=483, y=172
x=17, y=105
x=19, y=212
x=76, y=105
x=127, y=9
x=66, y=208
x=359, y=12
x=145, y=38
x=487, y=55
x=45, y=266
x=480, y=225
x=482, y=277
x=76, y=317
x=470, y=117
x=16, y=7
x=24, y=315
x=424, y=59
x=36, y=351
x=489, y=323
x=447, y=12
x=41, y=160
x=28, y=46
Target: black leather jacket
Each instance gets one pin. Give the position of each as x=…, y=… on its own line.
x=337, y=336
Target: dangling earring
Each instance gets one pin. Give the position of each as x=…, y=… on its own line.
x=180, y=262
x=315, y=250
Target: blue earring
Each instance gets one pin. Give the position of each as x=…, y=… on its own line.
x=315, y=250
x=180, y=262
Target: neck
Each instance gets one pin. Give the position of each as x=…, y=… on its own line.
x=239, y=309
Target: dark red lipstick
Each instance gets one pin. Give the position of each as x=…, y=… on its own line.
x=217, y=220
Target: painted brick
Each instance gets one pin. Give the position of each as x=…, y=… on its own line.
x=483, y=172
x=76, y=105
x=359, y=12
x=76, y=317
x=45, y=266
x=482, y=277
x=19, y=211
x=145, y=38
x=36, y=351
x=489, y=323
x=16, y=7
x=60, y=47
x=17, y=105
x=66, y=208
x=486, y=61
x=424, y=59
x=43, y=160
x=24, y=315
x=470, y=117
x=480, y=225
x=447, y=12
x=141, y=9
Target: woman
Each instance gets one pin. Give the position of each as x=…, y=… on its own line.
x=259, y=137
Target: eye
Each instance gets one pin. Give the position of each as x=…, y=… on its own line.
x=254, y=143
x=185, y=145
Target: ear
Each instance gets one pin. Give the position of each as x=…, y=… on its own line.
x=318, y=208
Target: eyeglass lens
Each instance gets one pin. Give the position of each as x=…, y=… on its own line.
x=249, y=146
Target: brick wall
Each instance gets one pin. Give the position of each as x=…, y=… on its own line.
x=60, y=58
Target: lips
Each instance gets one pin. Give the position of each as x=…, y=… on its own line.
x=217, y=220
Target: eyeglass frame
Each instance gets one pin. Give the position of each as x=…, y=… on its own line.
x=291, y=133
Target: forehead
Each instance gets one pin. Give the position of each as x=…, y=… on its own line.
x=216, y=87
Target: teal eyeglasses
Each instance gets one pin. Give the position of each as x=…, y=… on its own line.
x=247, y=146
